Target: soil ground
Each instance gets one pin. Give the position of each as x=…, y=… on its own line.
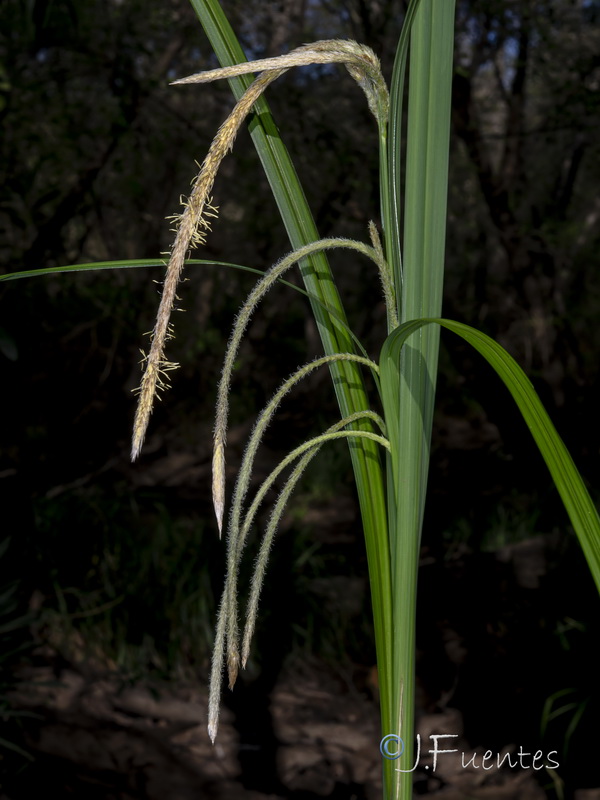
x=316, y=736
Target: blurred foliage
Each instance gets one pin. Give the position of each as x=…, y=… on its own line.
x=137, y=586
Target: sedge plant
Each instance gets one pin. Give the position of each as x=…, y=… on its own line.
x=390, y=452
x=389, y=434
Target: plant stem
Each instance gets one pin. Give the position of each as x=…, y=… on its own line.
x=408, y=405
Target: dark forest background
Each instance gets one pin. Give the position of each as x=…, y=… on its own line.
x=115, y=569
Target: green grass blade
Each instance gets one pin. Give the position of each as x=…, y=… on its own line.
x=425, y=203
x=16, y=749
x=138, y=263
x=409, y=414
x=569, y=483
x=142, y=263
x=348, y=381
x=390, y=161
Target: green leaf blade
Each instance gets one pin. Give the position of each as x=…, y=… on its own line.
x=567, y=479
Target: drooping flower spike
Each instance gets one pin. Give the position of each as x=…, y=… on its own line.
x=226, y=638
x=262, y=287
x=190, y=228
x=193, y=222
x=360, y=61
x=236, y=541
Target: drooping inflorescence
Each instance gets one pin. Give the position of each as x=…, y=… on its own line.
x=194, y=221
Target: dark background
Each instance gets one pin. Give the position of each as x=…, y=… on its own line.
x=112, y=571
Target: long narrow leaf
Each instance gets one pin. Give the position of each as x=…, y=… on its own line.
x=158, y=262
x=567, y=479
x=391, y=183
x=138, y=263
x=411, y=412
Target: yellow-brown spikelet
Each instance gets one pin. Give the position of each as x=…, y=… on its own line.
x=360, y=61
x=154, y=380
x=190, y=227
x=233, y=666
x=218, y=480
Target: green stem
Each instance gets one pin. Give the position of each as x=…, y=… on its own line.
x=408, y=406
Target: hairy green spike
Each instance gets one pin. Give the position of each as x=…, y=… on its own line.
x=241, y=323
x=279, y=508
x=235, y=545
